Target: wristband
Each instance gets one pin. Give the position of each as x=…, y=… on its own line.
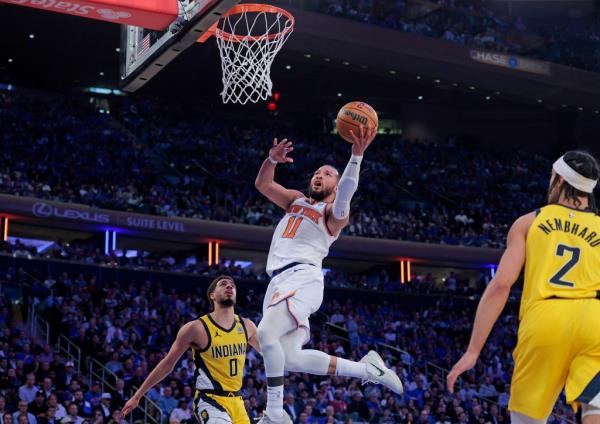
x=273, y=161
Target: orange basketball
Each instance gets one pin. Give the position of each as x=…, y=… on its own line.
x=351, y=116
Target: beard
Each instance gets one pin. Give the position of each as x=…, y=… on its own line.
x=227, y=302
x=319, y=195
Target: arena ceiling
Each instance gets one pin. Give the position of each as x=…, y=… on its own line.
x=54, y=51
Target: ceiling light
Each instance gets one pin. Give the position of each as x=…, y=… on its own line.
x=288, y=67
x=437, y=81
x=32, y=36
x=539, y=100
x=10, y=60
x=339, y=94
x=580, y=108
x=564, y=105
x=471, y=87
x=454, y=84
x=364, y=66
x=418, y=76
x=101, y=74
x=308, y=56
x=346, y=63
x=327, y=59
x=420, y=98
x=117, y=49
x=497, y=93
x=487, y=97
x=392, y=72
x=597, y=112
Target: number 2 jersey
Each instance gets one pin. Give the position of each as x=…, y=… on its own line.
x=563, y=256
x=301, y=236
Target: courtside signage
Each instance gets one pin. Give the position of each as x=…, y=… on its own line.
x=517, y=63
x=153, y=14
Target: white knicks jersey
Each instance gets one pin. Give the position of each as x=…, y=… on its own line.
x=301, y=236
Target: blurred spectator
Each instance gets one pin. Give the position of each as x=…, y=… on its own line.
x=22, y=412
x=180, y=414
x=72, y=416
x=27, y=391
x=166, y=402
x=105, y=405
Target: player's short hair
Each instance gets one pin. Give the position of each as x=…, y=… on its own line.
x=213, y=285
x=585, y=164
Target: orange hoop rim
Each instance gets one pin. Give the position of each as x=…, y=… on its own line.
x=252, y=7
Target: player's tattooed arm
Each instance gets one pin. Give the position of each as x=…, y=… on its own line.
x=265, y=181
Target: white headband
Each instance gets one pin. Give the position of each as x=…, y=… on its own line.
x=573, y=177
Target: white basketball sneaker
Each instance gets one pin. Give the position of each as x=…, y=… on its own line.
x=378, y=373
x=266, y=420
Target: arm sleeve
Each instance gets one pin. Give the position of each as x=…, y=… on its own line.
x=346, y=188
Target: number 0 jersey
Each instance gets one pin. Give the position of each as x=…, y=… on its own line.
x=563, y=256
x=301, y=236
x=220, y=365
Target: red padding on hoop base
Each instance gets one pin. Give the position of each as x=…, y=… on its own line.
x=152, y=14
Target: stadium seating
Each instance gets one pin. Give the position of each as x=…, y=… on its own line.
x=130, y=329
x=161, y=163
x=474, y=23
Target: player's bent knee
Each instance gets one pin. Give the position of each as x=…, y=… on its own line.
x=518, y=418
x=293, y=361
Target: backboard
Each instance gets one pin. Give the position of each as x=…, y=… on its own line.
x=145, y=52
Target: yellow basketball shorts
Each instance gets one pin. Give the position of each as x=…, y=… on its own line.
x=213, y=409
x=558, y=346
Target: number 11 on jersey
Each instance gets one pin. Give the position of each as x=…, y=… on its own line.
x=292, y=227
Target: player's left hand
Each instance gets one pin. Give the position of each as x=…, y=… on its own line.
x=362, y=140
x=468, y=361
x=130, y=406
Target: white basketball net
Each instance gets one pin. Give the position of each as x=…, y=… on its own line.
x=248, y=42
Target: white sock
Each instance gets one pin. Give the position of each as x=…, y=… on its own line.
x=275, y=402
x=346, y=368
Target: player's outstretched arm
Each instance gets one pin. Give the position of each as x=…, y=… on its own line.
x=185, y=338
x=265, y=181
x=495, y=296
x=348, y=183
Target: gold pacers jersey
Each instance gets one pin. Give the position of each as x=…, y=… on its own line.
x=563, y=256
x=220, y=365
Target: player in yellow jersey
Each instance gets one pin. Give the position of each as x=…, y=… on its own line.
x=559, y=332
x=218, y=341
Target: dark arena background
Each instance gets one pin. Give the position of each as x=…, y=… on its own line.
x=124, y=192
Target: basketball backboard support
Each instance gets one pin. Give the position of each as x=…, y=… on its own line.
x=145, y=52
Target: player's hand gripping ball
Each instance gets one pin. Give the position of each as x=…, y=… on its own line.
x=354, y=115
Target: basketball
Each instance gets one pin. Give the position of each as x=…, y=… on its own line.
x=351, y=116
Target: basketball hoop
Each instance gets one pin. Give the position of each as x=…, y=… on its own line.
x=249, y=36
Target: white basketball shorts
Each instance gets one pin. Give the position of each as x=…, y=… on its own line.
x=301, y=288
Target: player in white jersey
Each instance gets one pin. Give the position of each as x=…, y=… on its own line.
x=300, y=243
